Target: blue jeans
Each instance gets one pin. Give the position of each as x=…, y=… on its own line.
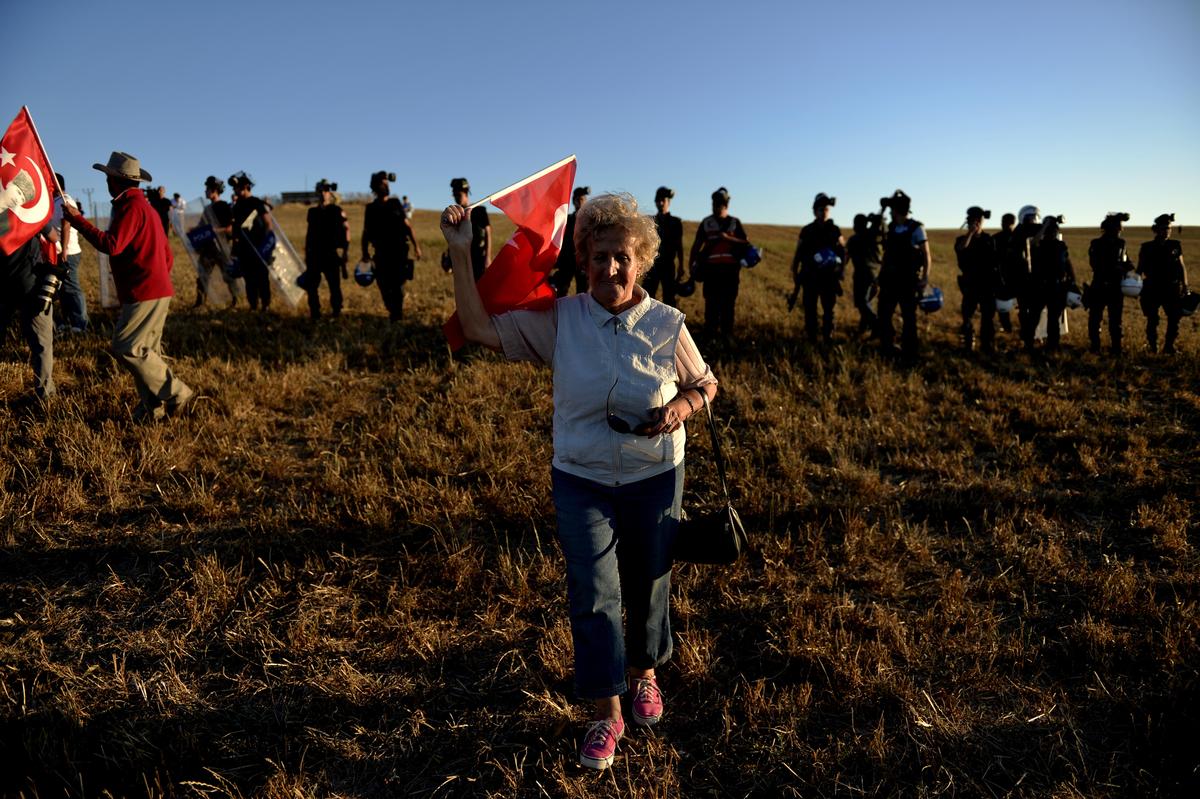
x=70, y=294
x=616, y=541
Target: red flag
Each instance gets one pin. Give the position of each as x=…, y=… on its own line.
x=26, y=182
x=516, y=278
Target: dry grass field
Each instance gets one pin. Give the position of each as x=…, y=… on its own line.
x=975, y=577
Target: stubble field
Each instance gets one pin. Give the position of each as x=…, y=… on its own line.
x=976, y=577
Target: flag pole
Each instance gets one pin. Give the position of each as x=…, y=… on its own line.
x=522, y=182
x=45, y=154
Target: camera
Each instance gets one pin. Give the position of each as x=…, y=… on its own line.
x=325, y=185
x=1121, y=216
x=975, y=212
x=874, y=220
x=1058, y=219
x=49, y=280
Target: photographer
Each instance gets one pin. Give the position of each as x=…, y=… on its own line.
x=387, y=228
x=1050, y=277
x=29, y=280
x=904, y=276
x=1160, y=261
x=1109, y=264
x=863, y=251
x=978, y=279
x=1017, y=266
x=326, y=250
x=818, y=267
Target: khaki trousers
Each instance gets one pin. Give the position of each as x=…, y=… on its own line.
x=136, y=342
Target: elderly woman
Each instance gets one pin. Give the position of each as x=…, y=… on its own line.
x=626, y=376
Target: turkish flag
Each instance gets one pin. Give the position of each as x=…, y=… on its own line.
x=516, y=278
x=26, y=181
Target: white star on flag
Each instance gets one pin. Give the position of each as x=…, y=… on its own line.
x=6, y=158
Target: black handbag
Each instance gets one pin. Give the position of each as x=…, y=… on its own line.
x=713, y=536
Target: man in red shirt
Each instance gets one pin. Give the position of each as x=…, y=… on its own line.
x=141, y=263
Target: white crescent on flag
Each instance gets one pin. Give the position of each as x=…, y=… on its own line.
x=40, y=209
x=560, y=226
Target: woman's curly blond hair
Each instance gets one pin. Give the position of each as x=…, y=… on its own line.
x=620, y=211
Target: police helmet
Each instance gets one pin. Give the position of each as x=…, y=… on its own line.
x=213, y=183
x=1005, y=304
x=364, y=273
x=931, y=300
x=1027, y=211
x=826, y=258
x=305, y=279
x=239, y=179
x=752, y=257
x=721, y=195
x=687, y=288
x=1074, y=298
x=1164, y=221
x=1131, y=285
x=1189, y=303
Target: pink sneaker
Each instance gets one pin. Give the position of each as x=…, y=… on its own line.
x=647, y=703
x=600, y=743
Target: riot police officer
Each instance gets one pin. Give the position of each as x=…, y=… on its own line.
x=1109, y=264
x=253, y=248
x=977, y=262
x=1160, y=261
x=818, y=267
x=667, y=270
x=387, y=228
x=326, y=250
x=1016, y=269
x=1001, y=243
x=904, y=275
x=1050, y=276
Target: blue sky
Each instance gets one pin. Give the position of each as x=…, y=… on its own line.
x=1078, y=107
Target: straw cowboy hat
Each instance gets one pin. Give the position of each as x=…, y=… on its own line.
x=124, y=166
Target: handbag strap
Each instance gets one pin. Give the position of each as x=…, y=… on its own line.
x=716, y=445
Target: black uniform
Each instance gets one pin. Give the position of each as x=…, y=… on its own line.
x=215, y=253
x=670, y=250
x=1001, y=242
x=718, y=267
x=1051, y=274
x=385, y=227
x=328, y=231
x=248, y=246
x=899, y=284
x=1016, y=269
x=978, y=281
x=1161, y=264
x=863, y=251
x=820, y=281
x=1109, y=264
x=565, y=268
